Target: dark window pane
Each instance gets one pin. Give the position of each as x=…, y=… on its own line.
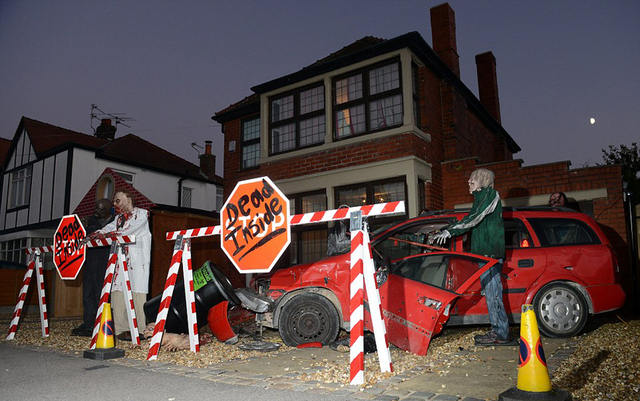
x=559, y=232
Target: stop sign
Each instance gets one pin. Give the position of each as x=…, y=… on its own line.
x=69, y=253
x=255, y=225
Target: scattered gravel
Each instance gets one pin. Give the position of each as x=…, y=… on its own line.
x=605, y=364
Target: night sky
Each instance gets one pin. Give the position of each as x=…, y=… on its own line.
x=168, y=66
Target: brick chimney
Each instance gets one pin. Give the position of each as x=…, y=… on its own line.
x=443, y=33
x=208, y=161
x=105, y=130
x=488, y=83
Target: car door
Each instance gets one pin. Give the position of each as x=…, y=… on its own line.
x=415, y=298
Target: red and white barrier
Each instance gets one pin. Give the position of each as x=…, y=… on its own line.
x=357, y=286
x=117, y=260
x=35, y=263
x=356, y=349
x=375, y=307
x=181, y=255
x=305, y=218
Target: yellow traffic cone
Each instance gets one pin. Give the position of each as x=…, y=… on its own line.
x=105, y=334
x=105, y=343
x=533, y=374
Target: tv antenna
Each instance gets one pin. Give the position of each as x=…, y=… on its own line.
x=116, y=116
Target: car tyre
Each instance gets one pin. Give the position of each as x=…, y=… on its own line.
x=561, y=310
x=308, y=317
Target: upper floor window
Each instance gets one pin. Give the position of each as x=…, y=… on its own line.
x=367, y=101
x=415, y=91
x=250, y=143
x=297, y=120
x=20, y=187
x=186, y=197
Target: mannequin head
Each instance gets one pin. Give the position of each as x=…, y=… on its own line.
x=480, y=178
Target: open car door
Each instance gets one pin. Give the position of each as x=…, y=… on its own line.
x=417, y=293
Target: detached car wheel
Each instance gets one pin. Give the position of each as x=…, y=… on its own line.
x=308, y=318
x=561, y=310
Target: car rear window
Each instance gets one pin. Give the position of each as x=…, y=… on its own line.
x=560, y=232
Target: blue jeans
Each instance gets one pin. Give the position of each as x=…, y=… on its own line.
x=492, y=286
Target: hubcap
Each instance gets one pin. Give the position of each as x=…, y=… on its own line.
x=560, y=309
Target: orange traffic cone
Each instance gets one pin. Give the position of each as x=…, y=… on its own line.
x=105, y=343
x=533, y=375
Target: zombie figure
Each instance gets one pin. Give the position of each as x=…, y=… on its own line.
x=487, y=239
x=134, y=221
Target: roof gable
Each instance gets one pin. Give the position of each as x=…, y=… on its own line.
x=129, y=149
x=87, y=204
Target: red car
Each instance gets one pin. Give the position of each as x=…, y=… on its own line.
x=558, y=260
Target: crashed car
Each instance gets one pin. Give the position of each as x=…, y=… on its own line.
x=556, y=259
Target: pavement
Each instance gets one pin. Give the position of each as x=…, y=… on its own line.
x=491, y=371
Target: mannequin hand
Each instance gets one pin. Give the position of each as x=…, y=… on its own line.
x=441, y=237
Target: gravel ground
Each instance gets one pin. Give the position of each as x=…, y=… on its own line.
x=604, y=366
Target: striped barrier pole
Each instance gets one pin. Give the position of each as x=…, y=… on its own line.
x=158, y=330
x=42, y=300
x=189, y=296
x=305, y=218
x=128, y=296
x=356, y=349
x=17, y=312
x=375, y=307
x=116, y=256
x=104, y=294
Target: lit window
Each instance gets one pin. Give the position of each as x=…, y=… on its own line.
x=368, y=100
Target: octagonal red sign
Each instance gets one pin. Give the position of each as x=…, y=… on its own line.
x=255, y=225
x=69, y=252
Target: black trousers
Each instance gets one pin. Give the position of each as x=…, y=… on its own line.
x=94, y=269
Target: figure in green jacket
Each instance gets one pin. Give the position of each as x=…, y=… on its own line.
x=487, y=239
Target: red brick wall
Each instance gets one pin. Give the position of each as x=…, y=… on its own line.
x=513, y=181
x=87, y=204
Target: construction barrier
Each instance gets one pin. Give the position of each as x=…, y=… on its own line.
x=35, y=263
x=533, y=375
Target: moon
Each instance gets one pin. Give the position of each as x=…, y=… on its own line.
x=592, y=120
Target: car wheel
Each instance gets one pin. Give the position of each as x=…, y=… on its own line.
x=308, y=318
x=561, y=310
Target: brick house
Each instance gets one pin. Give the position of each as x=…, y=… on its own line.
x=389, y=119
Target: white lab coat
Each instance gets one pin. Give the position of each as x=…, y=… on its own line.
x=138, y=254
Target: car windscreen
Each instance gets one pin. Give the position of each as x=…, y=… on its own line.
x=561, y=232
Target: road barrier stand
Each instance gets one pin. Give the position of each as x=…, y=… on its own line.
x=105, y=344
x=533, y=375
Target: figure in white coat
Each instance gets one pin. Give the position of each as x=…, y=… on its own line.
x=134, y=221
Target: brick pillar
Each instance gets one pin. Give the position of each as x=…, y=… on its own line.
x=443, y=33
x=488, y=83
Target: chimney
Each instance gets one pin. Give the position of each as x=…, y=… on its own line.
x=208, y=161
x=105, y=130
x=488, y=83
x=443, y=33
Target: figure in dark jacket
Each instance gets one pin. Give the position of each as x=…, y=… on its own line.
x=94, y=269
x=487, y=239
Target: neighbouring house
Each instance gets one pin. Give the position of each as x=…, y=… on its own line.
x=390, y=119
x=49, y=172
